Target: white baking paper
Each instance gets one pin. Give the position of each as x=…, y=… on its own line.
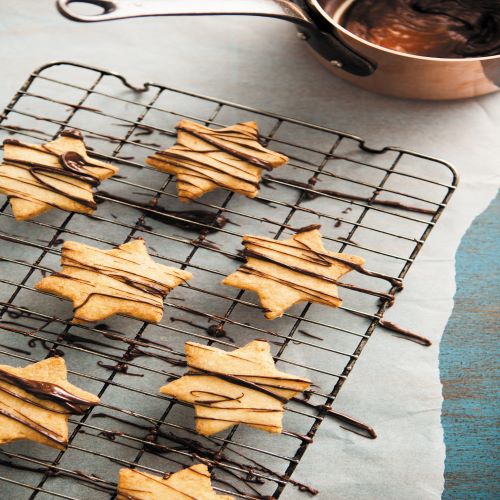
x=395, y=386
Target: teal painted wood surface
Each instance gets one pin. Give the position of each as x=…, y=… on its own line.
x=469, y=366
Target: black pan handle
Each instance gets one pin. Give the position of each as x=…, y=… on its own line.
x=326, y=44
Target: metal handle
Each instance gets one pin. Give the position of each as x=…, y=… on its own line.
x=326, y=44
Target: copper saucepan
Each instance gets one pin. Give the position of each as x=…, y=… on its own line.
x=363, y=63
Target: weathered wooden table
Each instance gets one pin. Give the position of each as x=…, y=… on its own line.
x=469, y=365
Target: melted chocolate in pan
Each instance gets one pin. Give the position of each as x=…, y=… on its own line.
x=432, y=28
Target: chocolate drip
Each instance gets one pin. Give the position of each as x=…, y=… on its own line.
x=135, y=352
x=128, y=497
x=348, y=240
x=19, y=128
x=396, y=282
x=307, y=334
x=216, y=331
x=304, y=439
x=184, y=219
x=305, y=229
x=13, y=142
x=72, y=133
x=132, y=354
x=311, y=194
x=45, y=344
x=92, y=480
x=111, y=435
x=143, y=129
x=367, y=430
x=405, y=332
x=204, y=242
x=120, y=368
x=147, y=143
x=20, y=314
x=16, y=349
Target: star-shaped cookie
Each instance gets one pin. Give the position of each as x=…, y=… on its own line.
x=204, y=159
x=193, y=482
x=286, y=272
x=124, y=280
x=58, y=174
x=238, y=387
x=36, y=401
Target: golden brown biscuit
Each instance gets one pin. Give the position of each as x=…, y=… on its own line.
x=58, y=174
x=190, y=483
x=238, y=387
x=204, y=159
x=286, y=272
x=36, y=401
x=124, y=280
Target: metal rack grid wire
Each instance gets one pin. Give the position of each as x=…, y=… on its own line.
x=383, y=203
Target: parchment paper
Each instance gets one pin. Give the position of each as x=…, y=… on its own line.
x=395, y=386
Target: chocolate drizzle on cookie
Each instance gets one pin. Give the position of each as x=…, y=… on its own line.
x=300, y=256
x=246, y=389
x=72, y=177
x=238, y=380
x=230, y=141
x=46, y=395
x=297, y=269
x=126, y=274
x=204, y=159
x=75, y=163
x=34, y=426
x=46, y=390
x=313, y=256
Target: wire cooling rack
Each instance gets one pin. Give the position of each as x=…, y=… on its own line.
x=380, y=204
